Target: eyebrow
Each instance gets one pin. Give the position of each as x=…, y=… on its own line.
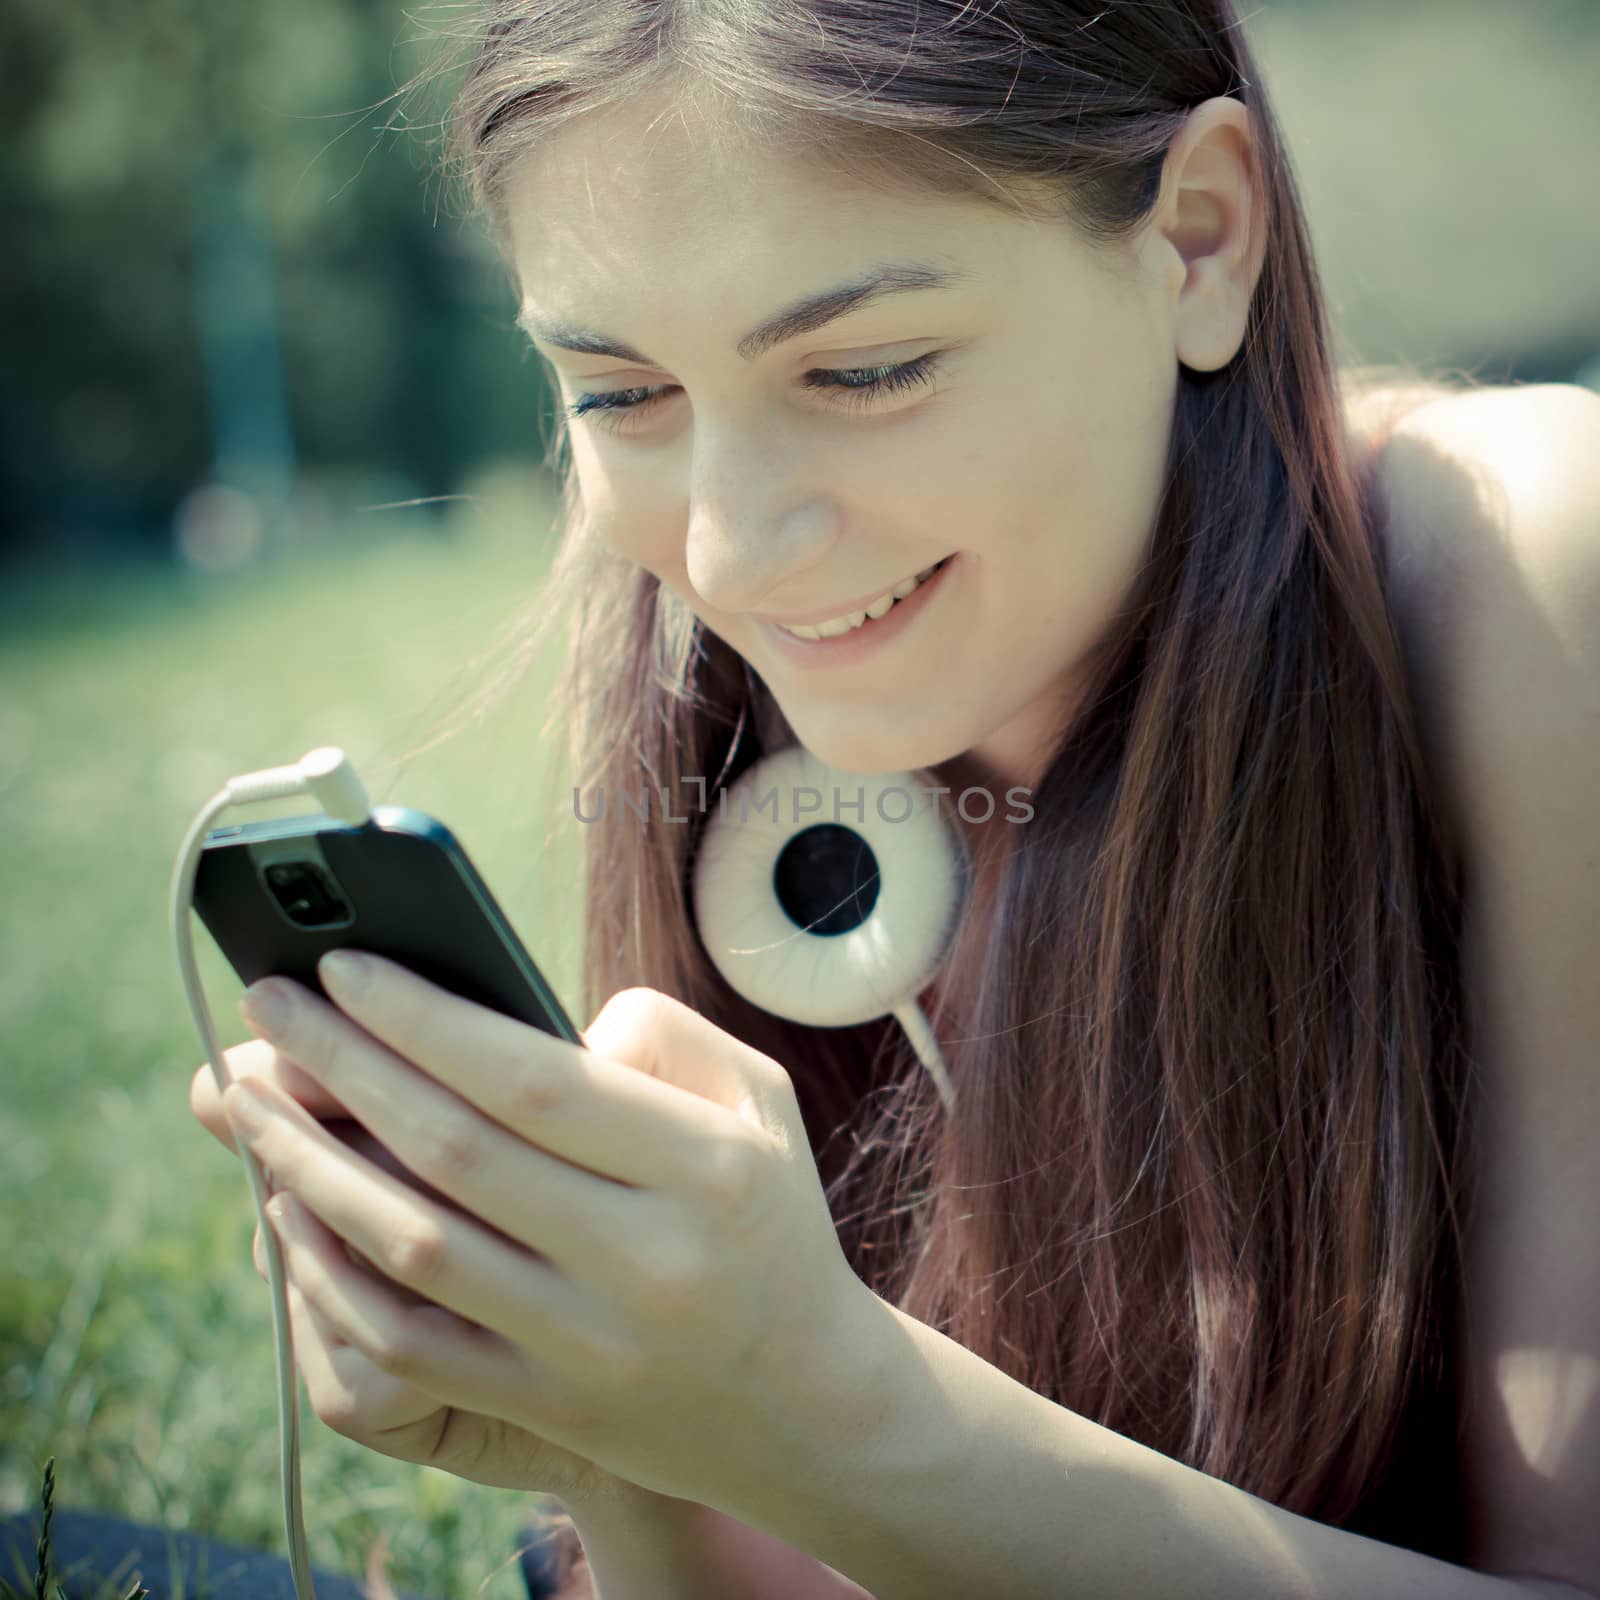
x=801, y=316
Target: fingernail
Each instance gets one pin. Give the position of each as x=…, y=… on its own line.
x=244, y=1109
x=280, y=1212
x=345, y=971
x=267, y=1009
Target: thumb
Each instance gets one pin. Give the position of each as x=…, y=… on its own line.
x=658, y=1035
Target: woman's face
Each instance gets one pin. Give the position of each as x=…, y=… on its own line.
x=1020, y=428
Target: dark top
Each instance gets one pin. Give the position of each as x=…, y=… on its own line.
x=1419, y=1500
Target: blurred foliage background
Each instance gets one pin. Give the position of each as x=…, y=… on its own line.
x=270, y=477
x=229, y=263
x=228, y=260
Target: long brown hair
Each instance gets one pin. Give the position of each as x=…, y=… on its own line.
x=1206, y=1182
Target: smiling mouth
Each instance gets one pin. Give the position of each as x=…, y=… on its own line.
x=851, y=621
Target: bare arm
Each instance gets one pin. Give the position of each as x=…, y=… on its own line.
x=970, y=1475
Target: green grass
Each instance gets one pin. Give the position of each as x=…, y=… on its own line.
x=44, y=1585
x=135, y=1336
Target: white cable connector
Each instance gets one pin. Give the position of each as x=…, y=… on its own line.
x=327, y=775
x=331, y=778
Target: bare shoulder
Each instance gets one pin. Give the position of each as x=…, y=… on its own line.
x=1491, y=545
x=1523, y=462
x=1493, y=553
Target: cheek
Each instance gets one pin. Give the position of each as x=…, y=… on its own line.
x=630, y=513
x=1057, y=504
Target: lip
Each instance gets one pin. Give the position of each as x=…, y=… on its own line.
x=874, y=635
x=811, y=619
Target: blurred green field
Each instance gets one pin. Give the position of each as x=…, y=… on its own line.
x=135, y=1336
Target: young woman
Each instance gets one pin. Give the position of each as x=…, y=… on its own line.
x=1257, y=1259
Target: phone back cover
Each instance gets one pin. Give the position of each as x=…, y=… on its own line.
x=417, y=900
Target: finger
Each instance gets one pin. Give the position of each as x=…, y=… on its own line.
x=364, y=1403
x=567, y=1213
x=661, y=1037
x=401, y=1334
x=354, y=1256
x=354, y=1137
x=653, y=1118
x=346, y=1390
x=255, y=1058
x=437, y=1252
x=258, y=1254
x=319, y=1353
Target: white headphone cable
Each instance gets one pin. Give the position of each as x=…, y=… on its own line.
x=327, y=775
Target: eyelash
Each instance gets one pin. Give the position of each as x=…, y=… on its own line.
x=855, y=396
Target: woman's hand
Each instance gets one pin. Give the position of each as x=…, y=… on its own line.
x=348, y=1391
x=636, y=1260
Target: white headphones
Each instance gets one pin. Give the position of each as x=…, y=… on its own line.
x=830, y=898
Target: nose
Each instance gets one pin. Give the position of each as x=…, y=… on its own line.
x=753, y=524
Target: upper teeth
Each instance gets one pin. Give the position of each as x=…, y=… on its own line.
x=854, y=619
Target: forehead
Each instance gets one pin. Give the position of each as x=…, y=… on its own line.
x=648, y=197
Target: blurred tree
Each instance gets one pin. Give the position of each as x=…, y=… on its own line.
x=252, y=445
x=1439, y=169
x=135, y=145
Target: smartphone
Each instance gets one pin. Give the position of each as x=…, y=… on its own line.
x=276, y=895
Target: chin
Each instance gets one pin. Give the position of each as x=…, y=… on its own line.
x=855, y=750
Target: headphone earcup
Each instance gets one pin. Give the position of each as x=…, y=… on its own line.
x=826, y=897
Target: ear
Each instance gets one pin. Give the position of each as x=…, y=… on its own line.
x=1209, y=216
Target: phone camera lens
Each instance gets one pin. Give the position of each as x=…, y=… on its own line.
x=307, y=896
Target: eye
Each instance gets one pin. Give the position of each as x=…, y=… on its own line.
x=854, y=387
